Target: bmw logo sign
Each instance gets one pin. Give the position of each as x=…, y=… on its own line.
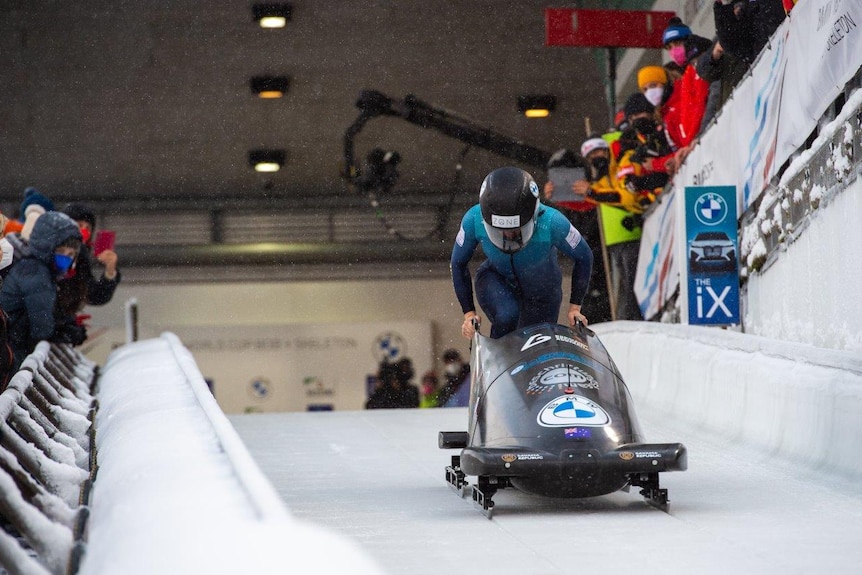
x=259, y=388
x=389, y=347
x=710, y=209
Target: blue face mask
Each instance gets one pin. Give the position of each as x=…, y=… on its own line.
x=63, y=262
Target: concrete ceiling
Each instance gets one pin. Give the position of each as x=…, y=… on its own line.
x=146, y=106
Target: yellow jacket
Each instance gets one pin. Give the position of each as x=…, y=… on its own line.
x=609, y=190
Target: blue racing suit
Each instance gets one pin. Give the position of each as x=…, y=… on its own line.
x=522, y=288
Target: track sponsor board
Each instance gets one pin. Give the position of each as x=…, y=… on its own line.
x=711, y=255
x=295, y=367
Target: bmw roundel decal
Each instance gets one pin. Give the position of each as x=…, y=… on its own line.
x=571, y=410
x=710, y=209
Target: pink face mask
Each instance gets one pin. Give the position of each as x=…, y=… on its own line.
x=677, y=54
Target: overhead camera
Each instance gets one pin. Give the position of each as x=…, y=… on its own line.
x=380, y=170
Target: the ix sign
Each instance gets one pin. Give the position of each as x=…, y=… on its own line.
x=712, y=254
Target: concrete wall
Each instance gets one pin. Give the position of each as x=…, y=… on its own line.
x=791, y=400
x=811, y=293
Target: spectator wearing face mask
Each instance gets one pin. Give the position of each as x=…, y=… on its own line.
x=29, y=293
x=619, y=212
x=95, y=277
x=654, y=84
x=647, y=158
x=604, y=187
x=456, y=387
x=683, y=112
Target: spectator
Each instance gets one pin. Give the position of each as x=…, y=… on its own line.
x=29, y=293
x=9, y=226
x=7, y=356
x=409, y=392
x=743, y=27
x=584, y=217
x=430, y=390
x=646, y=156
x=603, y=186
x=520, y=282
x=81, y=287
x=387, y=393
x=33, y=205
x=716, y=65
x=619, y=210
x=456, y=389
x=683, y=112
x=654, y=84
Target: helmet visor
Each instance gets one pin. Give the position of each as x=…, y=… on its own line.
x=510, y=240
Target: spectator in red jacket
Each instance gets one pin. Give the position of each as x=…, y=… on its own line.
x=684, y=109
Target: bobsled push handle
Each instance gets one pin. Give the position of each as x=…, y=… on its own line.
x=477, y=322
x=582, y=328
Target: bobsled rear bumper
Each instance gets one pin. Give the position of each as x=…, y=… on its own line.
x=525, y=462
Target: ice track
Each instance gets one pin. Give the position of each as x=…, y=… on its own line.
x=378, y=477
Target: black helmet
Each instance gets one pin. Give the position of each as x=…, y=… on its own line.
x=509, y=199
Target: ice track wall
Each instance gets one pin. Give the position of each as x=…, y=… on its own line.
x=174, y=477
x=736, y=385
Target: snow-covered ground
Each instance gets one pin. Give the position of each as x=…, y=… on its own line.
x=765, y=491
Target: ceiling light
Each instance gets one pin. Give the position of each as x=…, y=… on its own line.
x=272, y=15
x=539, y=106
x=269, y=86
x=267, y=161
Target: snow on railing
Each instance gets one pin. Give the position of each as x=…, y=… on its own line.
x=46, y=461
x=811, y=180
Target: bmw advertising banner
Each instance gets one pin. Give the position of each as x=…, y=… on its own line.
x=712, y=255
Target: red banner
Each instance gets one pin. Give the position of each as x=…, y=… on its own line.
x=605, y=28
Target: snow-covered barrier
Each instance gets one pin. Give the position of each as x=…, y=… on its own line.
x=792, y=400
x=177, y=491
x=46, y=441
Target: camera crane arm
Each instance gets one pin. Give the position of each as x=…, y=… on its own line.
x=372, y=104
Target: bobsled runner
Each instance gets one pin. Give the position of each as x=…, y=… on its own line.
x=550, y=415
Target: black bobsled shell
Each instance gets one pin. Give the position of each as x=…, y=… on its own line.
x=550, y=412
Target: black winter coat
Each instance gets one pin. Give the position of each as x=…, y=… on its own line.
x=84, y=288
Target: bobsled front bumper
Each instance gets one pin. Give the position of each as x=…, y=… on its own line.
x=624, y=459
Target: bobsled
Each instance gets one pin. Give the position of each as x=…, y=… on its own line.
x=550, y=415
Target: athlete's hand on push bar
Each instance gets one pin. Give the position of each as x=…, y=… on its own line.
x=470, y=325
x=575, y=315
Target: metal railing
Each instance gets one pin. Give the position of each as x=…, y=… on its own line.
x=47, y=461
x=831, y=163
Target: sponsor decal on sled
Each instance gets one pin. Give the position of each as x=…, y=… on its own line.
x=588, y=362
x=648, y=454
x=573, y=341
x=511, y=457
x=627, y=455
x=537, y=339
x=560, y=376
x=569, y=410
